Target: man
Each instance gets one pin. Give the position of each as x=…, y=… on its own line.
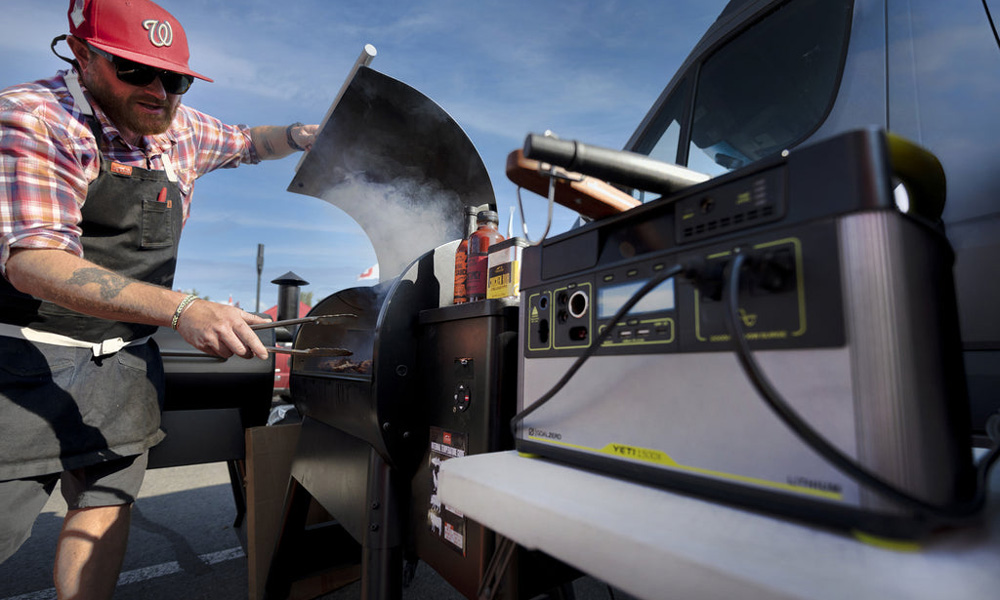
x=97, y=166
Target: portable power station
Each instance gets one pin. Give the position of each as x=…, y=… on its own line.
x=847, y=304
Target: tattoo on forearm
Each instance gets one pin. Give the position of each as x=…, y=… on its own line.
x=268, y=147
x=111, y=284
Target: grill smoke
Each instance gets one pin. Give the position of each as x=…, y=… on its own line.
x=403, y=219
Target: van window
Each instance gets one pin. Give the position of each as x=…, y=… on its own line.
x=770, y=86
x=662, y=139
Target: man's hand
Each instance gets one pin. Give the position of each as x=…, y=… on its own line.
x=304, y=135
x=221, y=330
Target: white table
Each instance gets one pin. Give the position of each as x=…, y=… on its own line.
x=656, y=544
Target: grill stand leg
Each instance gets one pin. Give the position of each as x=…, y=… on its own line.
x=382, y=550
x=322, y=558
x=236, y=472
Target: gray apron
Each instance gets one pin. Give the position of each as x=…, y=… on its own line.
x=65, y=407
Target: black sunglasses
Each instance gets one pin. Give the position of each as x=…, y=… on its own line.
x=141, y=75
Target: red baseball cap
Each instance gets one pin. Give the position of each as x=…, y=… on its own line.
x=138, y=30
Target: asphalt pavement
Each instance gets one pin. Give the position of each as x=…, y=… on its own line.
x=183, y=545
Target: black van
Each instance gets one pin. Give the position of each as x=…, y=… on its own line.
x=769, y=75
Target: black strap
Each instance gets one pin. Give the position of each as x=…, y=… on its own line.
x=55, y=41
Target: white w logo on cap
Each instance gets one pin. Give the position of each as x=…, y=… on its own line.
x=160, y=32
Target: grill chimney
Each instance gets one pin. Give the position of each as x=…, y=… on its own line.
x=288, y=297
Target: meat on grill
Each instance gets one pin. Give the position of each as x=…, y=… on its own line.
x=346, y=365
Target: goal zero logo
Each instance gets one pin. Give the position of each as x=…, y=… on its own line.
x=541, y=433
x=160, y=32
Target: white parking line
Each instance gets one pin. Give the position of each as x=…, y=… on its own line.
x=145, y=573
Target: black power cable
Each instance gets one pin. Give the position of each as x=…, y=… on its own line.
x=601, y=338
x=820, y=444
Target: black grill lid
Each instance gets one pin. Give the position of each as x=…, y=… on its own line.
x=399, y=165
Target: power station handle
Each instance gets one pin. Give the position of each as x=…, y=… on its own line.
x=616, y=166
x=922, y=176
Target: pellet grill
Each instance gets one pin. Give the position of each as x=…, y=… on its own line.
x=427, y=380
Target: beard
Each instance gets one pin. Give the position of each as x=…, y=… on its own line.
x=123, y=111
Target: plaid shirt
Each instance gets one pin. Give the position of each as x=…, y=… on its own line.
x=48, y=157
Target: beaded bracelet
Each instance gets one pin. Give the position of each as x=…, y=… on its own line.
x=180, y=308
x=291, y=140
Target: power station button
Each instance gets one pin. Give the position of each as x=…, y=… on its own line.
x=463, y=396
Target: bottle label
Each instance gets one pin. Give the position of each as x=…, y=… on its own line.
x=461, y=276
x=479, y=250
x=476, y=283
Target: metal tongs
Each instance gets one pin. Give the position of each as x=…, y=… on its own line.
x=310, y=351
x=317, y=320
x=192, y=353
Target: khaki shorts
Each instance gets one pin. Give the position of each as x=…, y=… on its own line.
x=110, y=483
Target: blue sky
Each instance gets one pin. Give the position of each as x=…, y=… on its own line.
x=502, y=69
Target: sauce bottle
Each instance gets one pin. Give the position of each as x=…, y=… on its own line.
x=462, y=256
x=480, y=241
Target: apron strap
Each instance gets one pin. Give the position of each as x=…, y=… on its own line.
x=73, y=84
x=102, y=348
x=168, y=168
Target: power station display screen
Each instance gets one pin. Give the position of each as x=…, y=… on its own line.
x=611, y=298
